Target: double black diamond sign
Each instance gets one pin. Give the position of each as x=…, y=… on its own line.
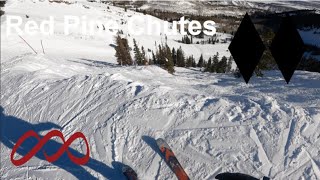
x=247, y=48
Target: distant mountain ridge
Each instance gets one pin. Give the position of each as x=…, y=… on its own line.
x=230, y=7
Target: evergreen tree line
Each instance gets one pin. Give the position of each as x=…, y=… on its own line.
x=179, y=59
x=189, y=40
x=186, y=40
x=168, y=58
x=163, y=56
x=213, y=64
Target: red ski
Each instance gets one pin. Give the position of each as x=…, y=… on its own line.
x=171, y=160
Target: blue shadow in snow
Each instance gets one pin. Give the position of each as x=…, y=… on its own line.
x=152, y=143
x=13, y=128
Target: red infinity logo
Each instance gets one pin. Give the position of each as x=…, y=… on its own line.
x=54, y=133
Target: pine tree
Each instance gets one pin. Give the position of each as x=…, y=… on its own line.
x=169, y=65
x=229, y=65
x=209, y=65
x=174, y=56
x=189, y=62
x=180, y=58
x=188, y=41
x=200, y=62
x=215, y=63
x=128, y=58
x=154, y=59
x=123, y=51
x=194, y=64
x=163, y=59
x=138, y=56
x=119, y=50
x=204, y=65
x=222, y=65
x=144, y=57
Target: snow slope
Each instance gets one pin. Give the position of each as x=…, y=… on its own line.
x=214, y=123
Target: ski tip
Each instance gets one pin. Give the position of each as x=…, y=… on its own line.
x=160, y=141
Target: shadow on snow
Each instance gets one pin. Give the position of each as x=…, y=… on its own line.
x=13, y=128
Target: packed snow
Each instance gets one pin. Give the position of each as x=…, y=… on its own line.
x=214, y=122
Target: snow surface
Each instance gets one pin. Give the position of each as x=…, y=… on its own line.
x=214, y=122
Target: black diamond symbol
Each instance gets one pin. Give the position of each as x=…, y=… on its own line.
x=287, y=48
x=246, y=48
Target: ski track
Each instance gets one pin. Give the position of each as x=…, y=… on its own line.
x=263, y=158
x=315, y=167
